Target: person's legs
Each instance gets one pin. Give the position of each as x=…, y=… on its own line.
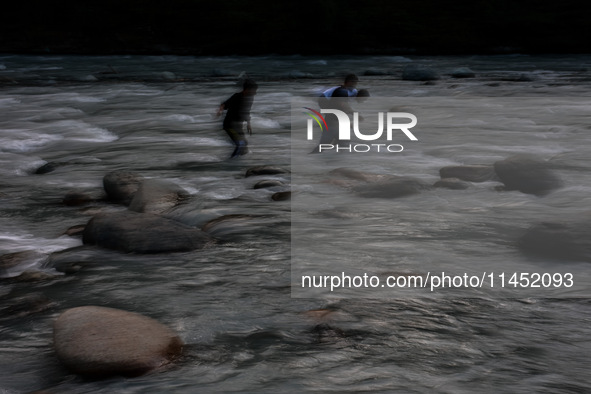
x=329, y=135
x=239, y=139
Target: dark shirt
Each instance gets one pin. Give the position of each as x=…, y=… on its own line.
x=340, y=92
x=238, y=107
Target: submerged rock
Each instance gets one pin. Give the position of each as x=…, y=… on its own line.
x=358, y=175
x=325, y=333
x=122, y=185
x=520, y=77
x=419, y=73
x=266, y=170
x=339, y=213
x=75, y=198
x=25, y=305
x=49, y=167
x=527, y=175
x=75, y=231
x=157, y=196
x=130, y=231
x=376, y=72
x=470, y=173
x=99, y=342
x=281, y=196
x=54, y=165
x=371, y=185
x=72, y=260
x=222, y=72
x=452, y=183
x=462, y=72
x=168, y=76
x=268, y=183
x=391, y=188
x=14, y=264
x=568, y=241
x=236, y=226
x=35, y=276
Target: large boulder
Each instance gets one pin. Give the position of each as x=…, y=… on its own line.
x=393, y=187
x=130, y=231
x=157, y=196
x=566, y=240
x=98, y=342
x=419, y=73
x=470, y=173
x=527, y=175
x=121, y=186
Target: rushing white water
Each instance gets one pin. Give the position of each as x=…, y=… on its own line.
x=232, y=304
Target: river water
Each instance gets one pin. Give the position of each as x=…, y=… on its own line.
x=232, y=304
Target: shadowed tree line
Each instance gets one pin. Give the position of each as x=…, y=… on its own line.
x=198, y=27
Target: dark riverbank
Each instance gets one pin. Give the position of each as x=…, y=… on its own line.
x=184, y=27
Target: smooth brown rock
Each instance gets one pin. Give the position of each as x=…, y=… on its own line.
x=98, y=341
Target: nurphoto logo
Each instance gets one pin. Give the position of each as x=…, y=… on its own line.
x=343, y=130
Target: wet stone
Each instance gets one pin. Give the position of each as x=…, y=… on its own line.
x=528, y=175
x=565, y=240
x=74, y=198
x=281, y=196
x=100, y=342
x=143, y=233
x=266, y=170
x=267, y=183
x=392, y=188
x=157, y=196
x=451, y=183
x=121, y=186
x=470, y=173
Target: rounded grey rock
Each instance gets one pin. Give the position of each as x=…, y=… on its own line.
x=143, y=233
x=528, y=175
x=121, y=185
